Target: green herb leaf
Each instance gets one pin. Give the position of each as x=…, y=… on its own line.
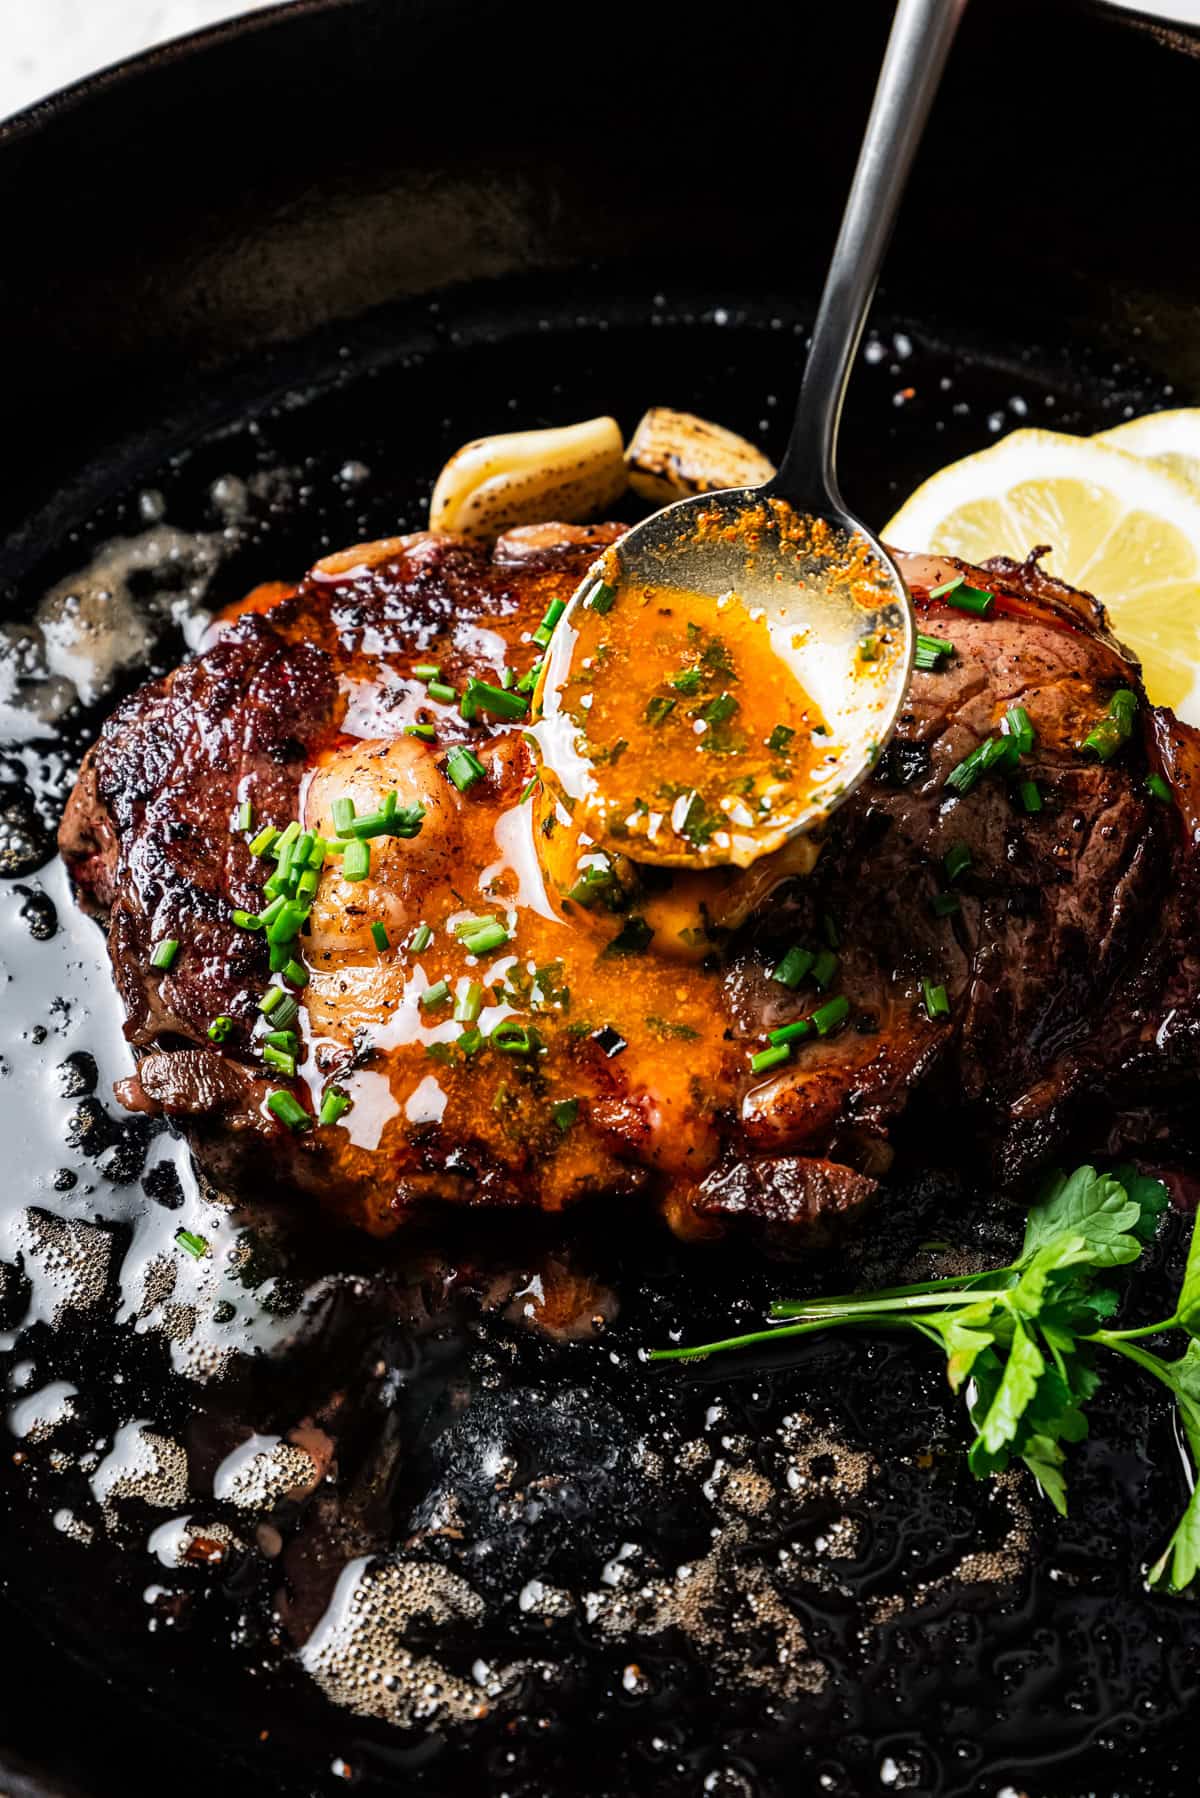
x=1023, y=1369
x=1089, y=1205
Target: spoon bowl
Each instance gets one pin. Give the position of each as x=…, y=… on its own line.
x=813, y=625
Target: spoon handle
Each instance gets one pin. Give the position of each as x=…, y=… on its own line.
x=921, y=35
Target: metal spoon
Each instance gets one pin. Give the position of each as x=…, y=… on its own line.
x=790, y=551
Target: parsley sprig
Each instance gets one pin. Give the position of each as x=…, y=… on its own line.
x=1025, y=1344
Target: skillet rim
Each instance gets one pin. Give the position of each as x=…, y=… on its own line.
x=1173, y=34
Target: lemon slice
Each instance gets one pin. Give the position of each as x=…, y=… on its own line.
x=1171, y=439
x=1119, y=526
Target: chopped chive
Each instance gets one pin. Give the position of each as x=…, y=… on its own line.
x=591, y=887
x=426, y=732
x=303, y=849
x=1158, y=789
x=690, y=680
x=470, y=1042
x=529, y=789
x=420, y=939
x=286, y=838
x=779, y=738
x=827, y=1017
x=1115, y=728
x=287, y=1040
x=944, y=905
x=463, y=768
x=790, y=1033
x=1104, y=739
x=794, y=966
x=264, y=840
x=428, y=671
x=442, y=692
x=1123, y=707
x=465, y=926
x=956, y=860
x=391, y=820
x=930, y=650
x=868, y=649
x=192, y=1244
x=937, y=1005
x=343, y=814
x=296, y=973
x=286, y=926
x=165, y=953
x=288, y=1109
x=564, y=1112
x=511, y=1038
x=993, y=752
x=306, y=886
x=720, y=709
x=545, y=629
x=280, y=955
x=949, y=586
x=600, y=597
x=245, y=816
x=824, y=968
x=272, y=911
x=508, y=678
x=469, y=1003
x=659, y=710
x=278, y=1005
x=333, y=1104
x=528, y=680
x=494, y=702
x=220, y=1027
x=1031, y=796
x=970, y=599
x=280, y=1060
x=437, y=994
x=1018, y=725
x=379, y=936
x=318, y=853
x=356, y=862
x=493, y=935
x=249, y=920
x=770, y=1058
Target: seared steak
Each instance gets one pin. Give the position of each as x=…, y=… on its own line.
x=1054, y=900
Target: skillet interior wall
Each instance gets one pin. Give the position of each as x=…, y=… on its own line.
x=181, y=233
x=173, y=230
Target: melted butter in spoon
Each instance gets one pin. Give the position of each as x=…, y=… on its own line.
x=722, y=680
x=704, y=733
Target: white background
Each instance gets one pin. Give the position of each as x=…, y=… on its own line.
x=46, y=43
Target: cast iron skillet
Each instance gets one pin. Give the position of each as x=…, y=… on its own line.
x=342, y=236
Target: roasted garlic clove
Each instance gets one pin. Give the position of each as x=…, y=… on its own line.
x=673, y=454
x=523, y=477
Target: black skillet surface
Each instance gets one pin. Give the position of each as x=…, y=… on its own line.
x=270, y=282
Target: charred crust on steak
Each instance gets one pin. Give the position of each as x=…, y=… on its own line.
x=1072, y=965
